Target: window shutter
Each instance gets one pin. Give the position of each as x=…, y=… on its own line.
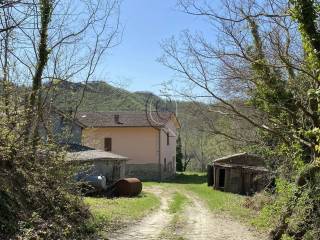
x=108, y=144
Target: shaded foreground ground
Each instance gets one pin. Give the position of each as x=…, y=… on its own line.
x=202, y=215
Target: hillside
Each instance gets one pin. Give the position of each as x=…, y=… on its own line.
x=101, y=96
x=96, y=96
x=200, y=142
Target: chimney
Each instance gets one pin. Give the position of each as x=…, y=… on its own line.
x=116, y=118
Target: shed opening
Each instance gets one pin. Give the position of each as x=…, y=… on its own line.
x=222, y=174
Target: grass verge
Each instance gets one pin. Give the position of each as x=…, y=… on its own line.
x=178, y=202
x=176, y=207
x=109, y=214
x=217, y=201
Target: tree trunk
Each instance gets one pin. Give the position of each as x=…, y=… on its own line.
x=35, y=102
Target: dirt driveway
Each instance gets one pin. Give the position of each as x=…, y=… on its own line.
x=201, y=224
x=150, y=227
x=197, y=223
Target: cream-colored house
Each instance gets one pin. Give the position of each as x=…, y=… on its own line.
x=147, y=139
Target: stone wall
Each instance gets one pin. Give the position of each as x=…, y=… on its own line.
x=168, y=172
x=112, y=170
x=149, y=171
x=235, y=184
x=239, y=180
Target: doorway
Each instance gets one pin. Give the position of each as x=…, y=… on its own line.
x=222, y=174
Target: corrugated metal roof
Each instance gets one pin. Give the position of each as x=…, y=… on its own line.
x=255, y=168
x=236, y=156
x=244, y=160
x=94, y=155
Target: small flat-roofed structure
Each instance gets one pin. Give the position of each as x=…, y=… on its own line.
x=240, y=173
x=107, y=164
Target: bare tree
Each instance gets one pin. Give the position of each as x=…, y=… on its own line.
x=223, y=71
x=265, y=53
x=57, y=41
x=43, y=42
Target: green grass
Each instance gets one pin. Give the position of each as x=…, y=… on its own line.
x=222, y=202
x=178, y=202
x=111, y=213
x=190, y=178
x=217, y=201
x=176, y=207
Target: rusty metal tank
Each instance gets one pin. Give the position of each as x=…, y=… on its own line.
x=128, y=187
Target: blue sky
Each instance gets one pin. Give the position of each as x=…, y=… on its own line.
x=146, y=23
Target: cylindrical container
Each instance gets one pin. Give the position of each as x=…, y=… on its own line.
x=128, y=187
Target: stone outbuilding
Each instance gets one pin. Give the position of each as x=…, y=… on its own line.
x=240, y=173
x=101, y=163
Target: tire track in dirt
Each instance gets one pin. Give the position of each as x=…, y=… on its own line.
x=196, y=222
x=150, y=227
x=199, y=223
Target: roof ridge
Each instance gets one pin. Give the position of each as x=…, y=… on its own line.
x=122, y=112
x=236, y=155
x=127, y=118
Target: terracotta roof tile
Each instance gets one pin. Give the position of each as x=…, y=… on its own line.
x=123, y=119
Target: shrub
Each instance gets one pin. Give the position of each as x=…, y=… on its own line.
x=258, y=201
x=38, y=199
x=271, y=211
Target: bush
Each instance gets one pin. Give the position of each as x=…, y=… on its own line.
x=258, y=201
x=271, y=211
x=38, y=199
x=303, y=205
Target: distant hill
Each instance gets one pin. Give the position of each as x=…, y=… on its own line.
x=101, y=96
x=97, y=96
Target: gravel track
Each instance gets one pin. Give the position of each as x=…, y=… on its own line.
x=197, y=223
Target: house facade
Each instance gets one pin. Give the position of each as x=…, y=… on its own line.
x=147, y=139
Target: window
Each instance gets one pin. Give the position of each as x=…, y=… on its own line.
x=108, y=144
x=168, y=138
x=165, y=165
